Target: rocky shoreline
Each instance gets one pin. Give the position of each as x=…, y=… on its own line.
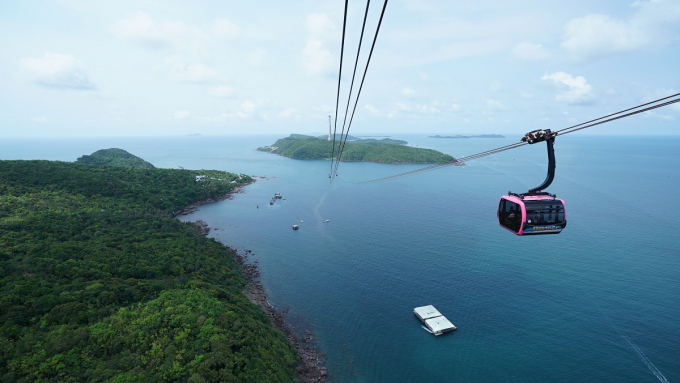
x=310, y=369
x=191, y=208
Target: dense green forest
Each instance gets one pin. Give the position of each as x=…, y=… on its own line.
x=369, y=150
x=114, y=157
x=99, y=282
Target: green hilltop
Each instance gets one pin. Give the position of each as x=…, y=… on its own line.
x=114, y=157
x=387, y=150
x=99, y=281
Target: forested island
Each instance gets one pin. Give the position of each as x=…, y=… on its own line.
x=387, y=150
x=99, y=281
x=114, y=157
x=478, y=136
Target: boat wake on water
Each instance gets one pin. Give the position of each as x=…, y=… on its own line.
x=638, y=351
x=646, y=360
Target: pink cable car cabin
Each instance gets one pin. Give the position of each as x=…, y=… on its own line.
x=534, y=212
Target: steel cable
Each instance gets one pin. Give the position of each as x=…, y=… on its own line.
x=571, y=129
x=337, y=102
x=363, y=78
x=356, y=62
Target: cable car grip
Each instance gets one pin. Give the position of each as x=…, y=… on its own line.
x=539, y=135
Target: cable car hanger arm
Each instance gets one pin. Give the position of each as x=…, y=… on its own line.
x=535, y=137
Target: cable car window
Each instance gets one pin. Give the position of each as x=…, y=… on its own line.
x=544, y=213
x=510, y=215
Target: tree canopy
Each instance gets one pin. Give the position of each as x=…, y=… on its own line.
x=99, y=281
x=386, y=150
x=115, y=157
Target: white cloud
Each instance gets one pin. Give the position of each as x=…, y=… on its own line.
x=529, y=51
x=594, y=36
x=287, y=113
x=403, y=107
x=191, y=73
x=495, y=104
x=427, y=109
x=248, y=106
x=654, y=24
x=223, y=92
x=408, y=92
x=142, y=28
x=574, y=90
x=464, y=36
x=317, y=59
x=225, y=28
x=181, y=114
x=373, y=110
x=59, y=71
x=455, y=107
x=320, y=25
x=39, y=119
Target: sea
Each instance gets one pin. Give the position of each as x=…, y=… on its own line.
x=599, y=302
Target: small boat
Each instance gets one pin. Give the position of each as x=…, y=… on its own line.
x=326, y=221
x=295, y=227
x=426, y=329
x=277, y=195
x=271, y=202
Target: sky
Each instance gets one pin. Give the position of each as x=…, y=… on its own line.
x=71, y=68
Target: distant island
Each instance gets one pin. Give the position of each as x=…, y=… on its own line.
x=478, y=136
x=114, y=157
x=387, y=150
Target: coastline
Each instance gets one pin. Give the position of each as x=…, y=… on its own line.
x=191, y=208
x=310, y=369
x=311, y=366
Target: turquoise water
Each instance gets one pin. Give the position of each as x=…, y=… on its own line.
x=599, y=302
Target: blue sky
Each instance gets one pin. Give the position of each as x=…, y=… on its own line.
x=131, y=68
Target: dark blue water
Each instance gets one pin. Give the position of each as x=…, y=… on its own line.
x=599, y=302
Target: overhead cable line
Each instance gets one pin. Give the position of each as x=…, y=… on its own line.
x=337, y=102
x=598, y=121
x=351, y=87
x=363, y=78
x=571, y=130
x=622, y=111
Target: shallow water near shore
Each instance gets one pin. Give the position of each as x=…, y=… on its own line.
x=598, y=302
